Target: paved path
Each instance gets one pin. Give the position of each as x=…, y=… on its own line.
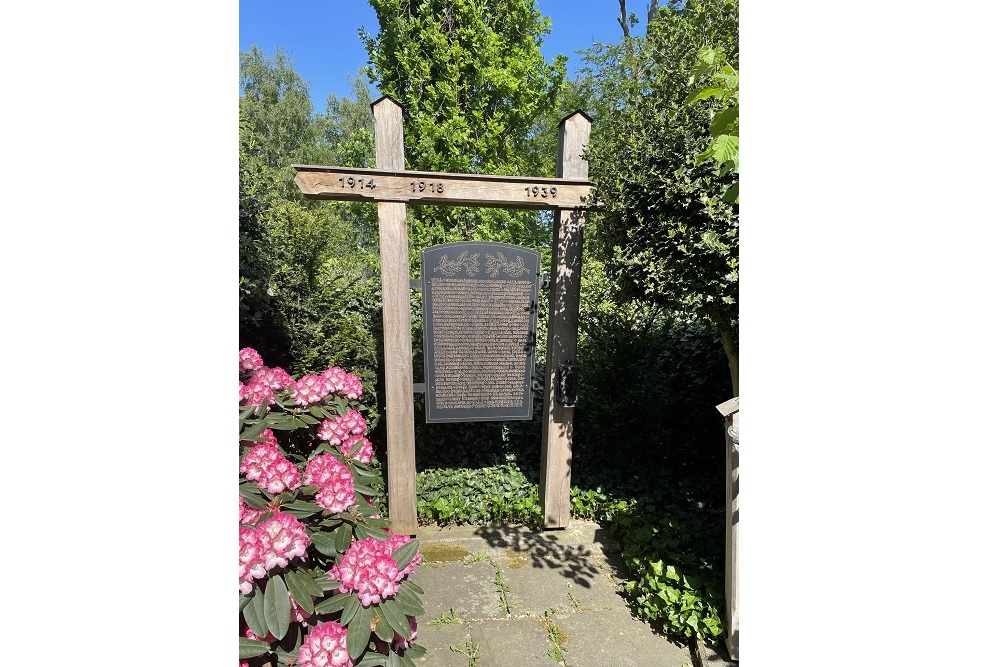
x=510, y=597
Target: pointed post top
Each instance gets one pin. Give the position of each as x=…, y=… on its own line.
x=578, y=112
x=384, y=100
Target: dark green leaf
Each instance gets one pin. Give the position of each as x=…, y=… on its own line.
x=277, y=606
x=253, y=431
x=365, y=490
x=297, y=586
x=409, y=603
x=416, y=651
x=393, y=660
x=405, y=661
x=350, y=609
x=372, y=659
x=405, y=553
x=253, y=613
x=363, y=531
x=412, y=586
x=302, y=505
x=327, y=584
x=396, y=618
x=342, y=537
x=251, y=648
x=382, y=628
x=251, y=496
x=325, y=543
x=359, y=632
x=334, y=604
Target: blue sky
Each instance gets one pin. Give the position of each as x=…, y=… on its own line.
x=322, y=37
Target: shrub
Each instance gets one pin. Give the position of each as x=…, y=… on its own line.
x=323, y=580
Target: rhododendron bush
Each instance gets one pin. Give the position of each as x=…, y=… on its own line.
x=323, y=579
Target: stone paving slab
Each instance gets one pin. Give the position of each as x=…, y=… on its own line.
x=569, y=573
x=612, y=638
x=536, y=588
x=438, y=640
x=516, y=641
x=466, y=589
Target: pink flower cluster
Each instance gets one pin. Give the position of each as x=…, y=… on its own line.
x=272, y=543
x=341, y=382
x=338, y=429
x=249, y=515
x=250, y=359
x=365, y=451
x=325, y=646
x=310, y=389
x=396, y=541
x=369, y=569
x=335, y=482
x=263, y=381
x=266, y=465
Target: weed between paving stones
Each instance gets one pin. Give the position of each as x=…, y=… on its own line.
x=471, y=651
x=557, y=637
x=446, y=618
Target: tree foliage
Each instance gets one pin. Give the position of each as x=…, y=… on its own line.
x=473, y=83
x=667, y=233
x=308, y=283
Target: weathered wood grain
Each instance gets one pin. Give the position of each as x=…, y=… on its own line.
x=564, y=309
x=730, y=410
x=394, y=257
x=424, y=187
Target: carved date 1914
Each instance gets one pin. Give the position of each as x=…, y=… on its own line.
x=351, y=182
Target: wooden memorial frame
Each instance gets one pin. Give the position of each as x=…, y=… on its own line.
x=392, y=187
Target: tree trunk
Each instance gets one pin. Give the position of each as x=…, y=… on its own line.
x=729, y=344
x=623, y=21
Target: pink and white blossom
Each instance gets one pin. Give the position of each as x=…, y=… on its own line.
x=282, y=538
x=368, y=570
x=335, y=482
x=310, y=389
x=250, y=359
x=338, y=429
x=325, y=646
x=275, y=378
x=396, y=541
x=365, y=451
x=341, y=382
x=266, y=465
x=256, y=393
x=251, y=559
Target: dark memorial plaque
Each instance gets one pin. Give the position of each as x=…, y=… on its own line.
x=480, y=304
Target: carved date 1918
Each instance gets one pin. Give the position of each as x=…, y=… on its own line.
x=544, y=192
x=351, y=182
x=421, y=186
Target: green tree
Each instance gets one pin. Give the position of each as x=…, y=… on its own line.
x=308, y=283
x=473, y=82
x=667, y=232
x=724, y=148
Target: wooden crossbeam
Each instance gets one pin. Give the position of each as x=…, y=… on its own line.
x=428, y=187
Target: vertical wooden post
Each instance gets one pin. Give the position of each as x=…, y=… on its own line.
x=564, y=311
x=730, y=410
x=394, y=254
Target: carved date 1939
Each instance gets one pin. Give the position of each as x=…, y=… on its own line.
x=544, y=192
